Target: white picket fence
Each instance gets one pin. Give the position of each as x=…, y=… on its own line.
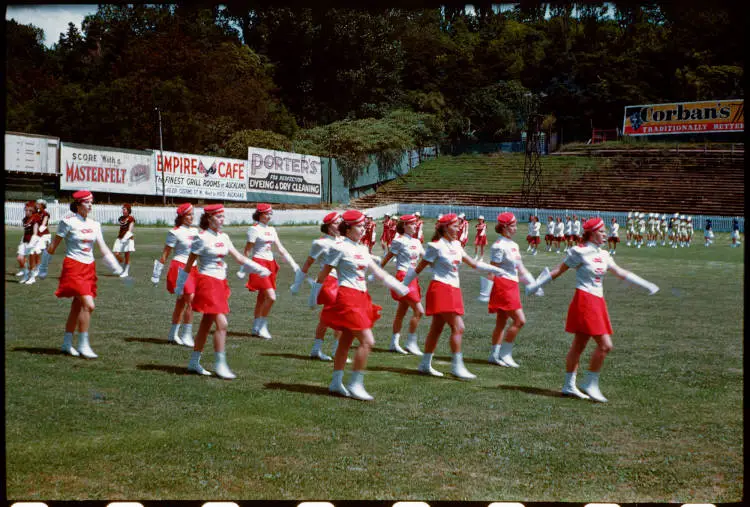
x=109, y=213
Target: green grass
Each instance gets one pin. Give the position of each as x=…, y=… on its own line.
x=469, y=173
x=133, y=425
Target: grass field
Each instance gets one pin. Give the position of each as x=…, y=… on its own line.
x=134, y=425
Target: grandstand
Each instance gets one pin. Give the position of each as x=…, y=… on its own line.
x=709, y=182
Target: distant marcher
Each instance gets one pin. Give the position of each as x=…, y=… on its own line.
x=587, y=315
x=559, y=234
x=708, y=233
x=480, y=240
x=27, y=246
x=735, y=233
x=550, y=236
x=125, y=242
x=614, y=236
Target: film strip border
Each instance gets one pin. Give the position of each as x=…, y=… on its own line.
x=345, y=503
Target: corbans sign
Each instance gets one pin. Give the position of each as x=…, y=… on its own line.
x=105, y=170
x=279, y=172
x=684, y=118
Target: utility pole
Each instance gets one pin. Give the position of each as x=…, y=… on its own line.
x=531, y=189
x=161, y=149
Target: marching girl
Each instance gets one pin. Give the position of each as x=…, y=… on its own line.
x=179, y=239
x=529, y=237
x=614, y=236
x=43, y=235
x=353, y=312
x=463, y=234
x=629, y=228
x=327, y=295
x=682, y=231
x=550, y=236
x=663, y=229
x=505, y=300
x=735, y=233
x=385, y=239
x=444, y=299
x=209, y=247
x=24, y=254
x=370, y=233
x=480, y=240
x=576, y=230
x=587, y=315
x=708, y=233
x=78, y=277
x=420, y=227
x=536, y=228
x=261, y=238
x=568, y=232
x=688, y=231
x=641, y=230
x=125, y=242
x=559, y=233
x=673, y=226
x=407, y=249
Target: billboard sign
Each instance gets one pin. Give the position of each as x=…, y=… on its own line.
x=283, y=173
x=714, y=116
x=201, y=176
x=105, y=169
x=31, y=153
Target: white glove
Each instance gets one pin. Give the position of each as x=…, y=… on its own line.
x=370, y=277
x=42, y=228
x=288, y=258
x=539, y=292
x=112, y=263
x=255, y=268
x=312, y=300
x=242, y=272
x=127, y=236
x=156, y=275
x=392, y=283
x=488, y=268
x=299, y=277
x=182, y=277
x=543, y=279
x=485, y=289
x=33, y=242
x=411, y=274
x=376, y=258
x=44, y=265
x=637, y=280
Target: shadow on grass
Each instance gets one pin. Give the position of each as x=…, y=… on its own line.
x=39, y=350
x=533, y=390
x=298, y=388
x=244, y=335
x=167, y=368
x=159, y=341
x=290, y=356
x=402, y=371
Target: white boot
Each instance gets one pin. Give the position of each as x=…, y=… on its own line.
x=195, y=364
x=425, y=366
x=570, y=389
x=395, y=346
x=458, y=369
x=495, y=356
x=485, y=289
x=25, y=275
x=67, y=346
x=83, y=346
x=506, y=351
x=590, y=386
x=173, y=335
x=222, y=368
x=337, y=384
x=257, y=322
x=125, y=272
x=356, y=387
x=411, y=345
x=263, y=331
x=316, y=353
x=186, y=336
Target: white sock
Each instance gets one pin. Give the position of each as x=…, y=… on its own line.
x=495, y=351
x=173, y=331
x=195, y=357
x=570, y=379
x=395, y=338
x=83, y=339
x=411, y=338
x=187, y=330
x=317, y=342
x=221, y=358
x=457, y=359
x=426, y=360
x=506, y=349
x=592, y=379
x=68, y=339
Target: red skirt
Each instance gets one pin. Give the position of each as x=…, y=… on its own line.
x=255, y=282
x=535, y=240
x=327, y=294
x=548, y=237
x=415, y=291
x=77, y=279
x=480, y=240
x=444, y=298
x=174, y=268
x=504, y=296
x=211, y=295
x=352, y=310
x=588, y=314
x=614, y=239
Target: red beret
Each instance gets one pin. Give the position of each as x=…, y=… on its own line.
x=127, y=207
x=447, y=219
x=593, y=224
x=506, y=218
x=263, y=207
x=31, y=204
x=83, y=195
x=184, y=209
x=213, y=209
x=353, y=217
x=331, y=217
x=407, y=219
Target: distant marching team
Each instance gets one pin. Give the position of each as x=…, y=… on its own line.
x=197, y=275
